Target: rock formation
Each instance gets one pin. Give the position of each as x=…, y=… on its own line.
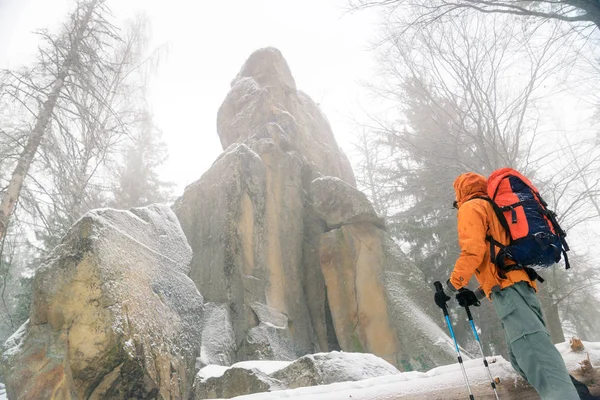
x=283, y=238
x=114, y=313
x=273, y=254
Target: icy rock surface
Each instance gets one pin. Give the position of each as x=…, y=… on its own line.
x=114, y=314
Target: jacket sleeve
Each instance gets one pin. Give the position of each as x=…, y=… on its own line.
x=472, y=229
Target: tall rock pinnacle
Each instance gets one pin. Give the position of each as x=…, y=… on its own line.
x=264, y=102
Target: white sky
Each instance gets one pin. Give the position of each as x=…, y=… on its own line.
x=326, y=48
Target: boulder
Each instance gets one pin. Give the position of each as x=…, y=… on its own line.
x=326, y=368
x=114, y=314
x=311, y=370
x=264, y=94
x=233, y=382
x=338, y=203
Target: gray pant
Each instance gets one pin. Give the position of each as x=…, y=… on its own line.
x=531, y=351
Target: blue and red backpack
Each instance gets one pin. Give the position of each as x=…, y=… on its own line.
x=536, y=238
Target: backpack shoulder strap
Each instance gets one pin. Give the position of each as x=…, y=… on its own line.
x=498, y=212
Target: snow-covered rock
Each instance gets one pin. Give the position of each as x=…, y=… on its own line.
x=114, y=313
x=310, y=370
x=218, y=339
x=326, y=368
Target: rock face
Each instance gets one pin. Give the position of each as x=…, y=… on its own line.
x=285, y=242
x=338, y=203
x=375, y=292
x=114, y=314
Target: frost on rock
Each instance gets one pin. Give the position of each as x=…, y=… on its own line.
x=114, y=310
x=13, y=344
x=218, y=338
x=376, y=297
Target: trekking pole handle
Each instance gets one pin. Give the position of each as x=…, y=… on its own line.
x=469, y=313
x=439, y=288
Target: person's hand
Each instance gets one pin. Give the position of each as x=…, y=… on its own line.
x=441, y=299
x=467, y=298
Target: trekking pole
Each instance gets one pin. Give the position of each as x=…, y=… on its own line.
x=438, y=288
x=481, y=349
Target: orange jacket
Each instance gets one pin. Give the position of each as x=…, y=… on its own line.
x=476, y=220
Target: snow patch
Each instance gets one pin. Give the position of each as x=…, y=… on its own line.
x=267, y=367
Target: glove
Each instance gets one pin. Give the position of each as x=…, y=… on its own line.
x=467, y=298
x=441, y=298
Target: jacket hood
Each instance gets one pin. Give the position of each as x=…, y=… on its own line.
x=469, y=185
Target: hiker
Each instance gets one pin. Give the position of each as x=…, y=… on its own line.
x=512, y=292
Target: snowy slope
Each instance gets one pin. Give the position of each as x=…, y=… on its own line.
x=2, y=392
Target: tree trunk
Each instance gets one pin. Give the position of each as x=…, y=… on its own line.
x=551, y=315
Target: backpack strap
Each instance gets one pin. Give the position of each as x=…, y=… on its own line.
x=561, y=233
x=498, y=212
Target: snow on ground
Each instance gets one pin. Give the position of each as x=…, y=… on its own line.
x=446, y=378
x=391, y=386
x=573, y=359
x=2, y=392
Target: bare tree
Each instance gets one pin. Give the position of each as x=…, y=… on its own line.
x=65, y=62
x=584, y=13
x=91, y=125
